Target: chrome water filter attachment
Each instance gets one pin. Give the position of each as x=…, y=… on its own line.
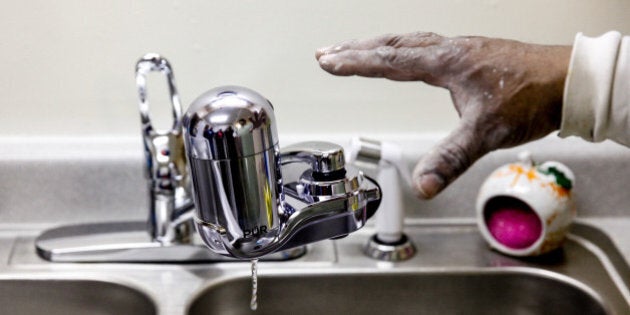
x=253, y=199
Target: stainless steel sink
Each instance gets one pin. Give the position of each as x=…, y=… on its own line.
x=463, y=292
x=67, y=297
x=45, y=185
x=454, y=273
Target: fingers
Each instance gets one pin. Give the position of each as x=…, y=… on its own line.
x=401, y=64
x=379, y=62
x=410, y=57
x=449, y=159
x=418, y=39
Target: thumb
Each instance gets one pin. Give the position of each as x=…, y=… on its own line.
x=449, y=159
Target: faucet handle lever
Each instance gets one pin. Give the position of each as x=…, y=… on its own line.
x=164, y=148
x=325, y=158
x=166, y=165
x=149, y=63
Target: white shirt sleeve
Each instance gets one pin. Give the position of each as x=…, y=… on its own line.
x=596, y=103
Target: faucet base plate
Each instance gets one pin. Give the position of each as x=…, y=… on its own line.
x=128, y=242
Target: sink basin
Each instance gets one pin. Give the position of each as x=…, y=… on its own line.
x=67, y=297
x=454, y=272
x=501, y=292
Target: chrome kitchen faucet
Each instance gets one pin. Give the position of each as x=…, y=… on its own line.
x=251, y=199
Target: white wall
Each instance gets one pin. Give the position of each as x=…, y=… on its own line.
x=67, y=66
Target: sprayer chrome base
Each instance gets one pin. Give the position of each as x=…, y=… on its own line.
x=399, y=251
x=131, y=243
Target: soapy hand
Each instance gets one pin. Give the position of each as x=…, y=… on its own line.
x=506, y=92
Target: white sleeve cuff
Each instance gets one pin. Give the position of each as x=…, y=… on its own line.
x=589, y=110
